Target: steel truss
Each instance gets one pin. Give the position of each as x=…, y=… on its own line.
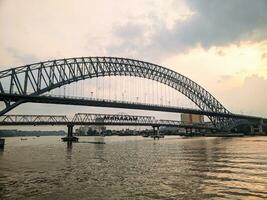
x=33, y=119
x=38, y=78
x=93, y=119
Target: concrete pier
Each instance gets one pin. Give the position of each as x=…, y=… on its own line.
x=156, y=133
x=70, y=137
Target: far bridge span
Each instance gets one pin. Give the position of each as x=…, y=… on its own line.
x=97, y=119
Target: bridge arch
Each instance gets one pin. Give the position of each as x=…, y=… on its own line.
x=38, y=78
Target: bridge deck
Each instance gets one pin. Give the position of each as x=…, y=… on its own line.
x=118, y=104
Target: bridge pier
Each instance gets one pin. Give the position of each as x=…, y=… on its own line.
x=156, y=133
x=70, y=137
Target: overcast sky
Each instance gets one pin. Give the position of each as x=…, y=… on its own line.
x=222, y=45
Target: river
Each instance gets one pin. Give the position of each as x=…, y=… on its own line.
x=134, y=168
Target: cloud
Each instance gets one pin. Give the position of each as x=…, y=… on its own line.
x=222, y=22
x=264, y=56
x=147, y=30
x=225, y=78
x=214, y=23
x=21, y=57
x=249, y=98
x=201, y=39
x=134, y=39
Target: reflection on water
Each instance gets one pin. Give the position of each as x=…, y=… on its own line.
x=134, y=168
x=69, y=146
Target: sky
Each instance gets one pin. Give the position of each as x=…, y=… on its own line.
x=221, y=45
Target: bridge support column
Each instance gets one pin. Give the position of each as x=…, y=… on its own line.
x=70, y=131
x=70, y=137
x=156, y=133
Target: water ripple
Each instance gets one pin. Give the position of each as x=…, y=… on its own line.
x=135, y=168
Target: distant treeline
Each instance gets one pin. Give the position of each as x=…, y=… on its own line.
x=14, y=133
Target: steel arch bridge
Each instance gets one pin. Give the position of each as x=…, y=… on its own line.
x=38, y=78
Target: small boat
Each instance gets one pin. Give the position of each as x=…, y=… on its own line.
x=23, y=139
